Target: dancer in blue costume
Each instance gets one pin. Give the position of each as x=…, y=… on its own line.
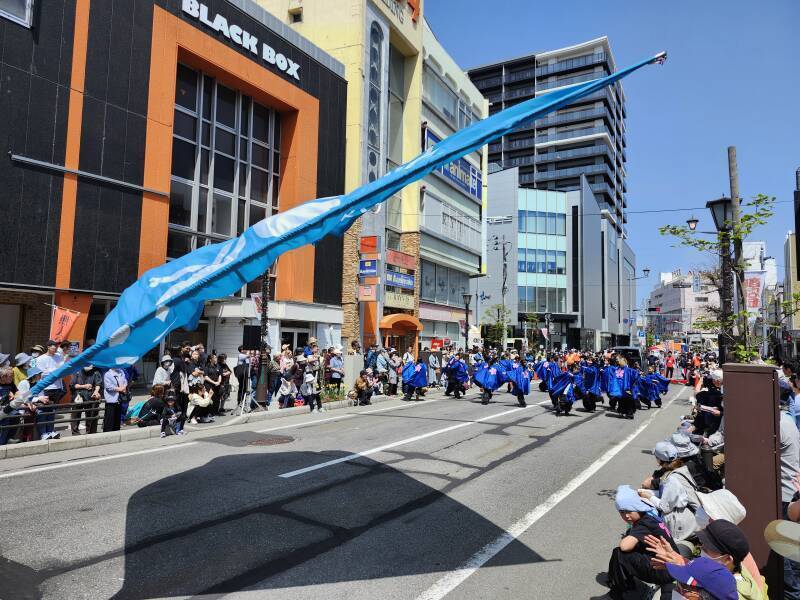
x=564, y=390
x=620, y=381
x=490, y=377
x=650, y=387
x=520, y=376
x=591, y=384
x=545, y=371
x=415, y=379
x=507, y=362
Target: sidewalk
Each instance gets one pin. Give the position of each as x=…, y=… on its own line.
x=132, y=432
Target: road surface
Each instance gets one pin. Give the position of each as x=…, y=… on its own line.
x=398, y=500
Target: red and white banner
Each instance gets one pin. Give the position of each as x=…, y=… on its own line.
x=753, y=289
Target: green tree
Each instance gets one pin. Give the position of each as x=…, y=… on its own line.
x=497, y=318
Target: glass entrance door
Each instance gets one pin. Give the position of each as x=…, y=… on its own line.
x=295, y=337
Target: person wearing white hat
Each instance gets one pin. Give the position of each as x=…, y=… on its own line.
x=310, y=392
x=164, y=371
x=337, y=368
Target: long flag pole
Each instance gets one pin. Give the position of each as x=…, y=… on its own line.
x=173, y=295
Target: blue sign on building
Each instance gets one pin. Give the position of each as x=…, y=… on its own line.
x=461, y=172
x=401, y=280
x=368, y=268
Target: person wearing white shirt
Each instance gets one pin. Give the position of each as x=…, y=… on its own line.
x=47, y=363
x=114, y=382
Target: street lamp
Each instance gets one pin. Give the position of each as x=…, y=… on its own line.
x=722, y=213
x=692, y=223
x=467, y=297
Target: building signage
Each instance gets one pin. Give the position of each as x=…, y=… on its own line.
x=401, y=280
x=753, y=289
x=398, y=300
x=240, y=37
x=462, y=173
x=401, y=259
x=367, y=293
x=369, y=244
x=398, y=8
x=368, y=268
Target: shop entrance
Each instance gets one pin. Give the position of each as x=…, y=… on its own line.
x=401, y=331
x=295, y=334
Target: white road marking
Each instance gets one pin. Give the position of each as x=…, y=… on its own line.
x=416, y=438
x=453, y=579
x=77, y=463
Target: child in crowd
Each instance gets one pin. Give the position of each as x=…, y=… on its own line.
x=287, y=391
x=310, y=392
x=172, y=419
x=199, y=404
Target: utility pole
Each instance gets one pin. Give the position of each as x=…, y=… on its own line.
x=261, y=387
x=733, y=175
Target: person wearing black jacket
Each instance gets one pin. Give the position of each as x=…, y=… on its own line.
x=213, y=381
x=87, y=388
x=150, y=413
x=179, y=378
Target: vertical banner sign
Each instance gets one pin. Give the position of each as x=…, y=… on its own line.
x=256, y=298
x=753, y=287
x=62, y=322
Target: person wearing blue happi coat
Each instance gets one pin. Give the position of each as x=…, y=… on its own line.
x=545, y=371
x=508, y=365
x=520, y=376
x=591, y=385
x=415, y=378
x=620, y=381
x=490, y=377
x=457, y=376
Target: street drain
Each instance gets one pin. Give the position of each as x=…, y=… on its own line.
x=272, y=440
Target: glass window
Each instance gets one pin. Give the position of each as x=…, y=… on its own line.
x=223, y=172
x=522, y=221
x=531, y=261
x=541, y=222
x=240, y=224
x=454, y=288
x=221, y=215
x=180, y=204
x=261, y=156
x=374, y=103
x=521, y=266
x=551, y=223
x=439, y=95
x=522, y=298
x=561, y=224
x=186, y=84
x=428, y=283
x=561, y=262
x=202, y=209
x=531, y=221
x=562, y=300
x=541, y=300
x=259, y=185
x=531, y=299
x=260, y=123
x=178, y=244
x=541, y=261
x=551, y=300
x=551, y=261
x=257, y=213
x=226, y=106
x=225, y=141
x=185, y=125
x=183, y=156
x=208, y=97
x=441, y=284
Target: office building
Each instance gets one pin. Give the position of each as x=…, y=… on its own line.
x=678, y=301
x=571, y=280
x=140, y=130
x=407, y=263
x=587, y=138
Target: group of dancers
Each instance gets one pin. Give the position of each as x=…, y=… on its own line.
x=582, y=376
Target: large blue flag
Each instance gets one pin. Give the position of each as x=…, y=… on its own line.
x=173, y=295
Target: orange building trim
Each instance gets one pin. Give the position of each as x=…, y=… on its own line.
x=69, y=196
x=175, y=40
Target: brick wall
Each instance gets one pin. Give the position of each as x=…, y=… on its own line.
x=35, y=317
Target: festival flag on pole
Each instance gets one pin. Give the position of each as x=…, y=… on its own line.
x=61, y=323
x=173, y=295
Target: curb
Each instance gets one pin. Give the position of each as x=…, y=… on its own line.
x=141, y=433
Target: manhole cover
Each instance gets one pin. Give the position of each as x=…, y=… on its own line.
x=273, y=440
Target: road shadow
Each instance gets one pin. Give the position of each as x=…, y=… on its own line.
x=235, y=524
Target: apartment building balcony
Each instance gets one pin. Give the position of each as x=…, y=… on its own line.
x=520, y=75
x=600, y=150
x=520, y=144
x=603, y=188
x=572, y=64
x=573, y=133
x=447, y=222
x=496, y=147
x=489, y=82
x=522, y=92
x=573, y=117
x=575, y=172
x=494, y=97
x=541, y=86
x=519, y=161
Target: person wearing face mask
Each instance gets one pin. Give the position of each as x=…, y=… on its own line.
x=36, y=352
x=726, y=545
x=163, y=374
x=22, y=362
x=87, y=388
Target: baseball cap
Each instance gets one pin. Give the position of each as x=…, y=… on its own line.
x=706, y=574
x=723, y=537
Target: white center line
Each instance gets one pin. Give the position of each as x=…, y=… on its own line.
x=77, y=463
x=416, y=438
x=453, y=579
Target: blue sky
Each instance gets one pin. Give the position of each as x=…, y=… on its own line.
x=732, y=78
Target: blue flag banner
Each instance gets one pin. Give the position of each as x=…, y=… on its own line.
x=173, y=295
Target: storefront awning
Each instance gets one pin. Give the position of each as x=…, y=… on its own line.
x=400, y=322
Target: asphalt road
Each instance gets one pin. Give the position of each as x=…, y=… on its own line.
x=400, y=500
